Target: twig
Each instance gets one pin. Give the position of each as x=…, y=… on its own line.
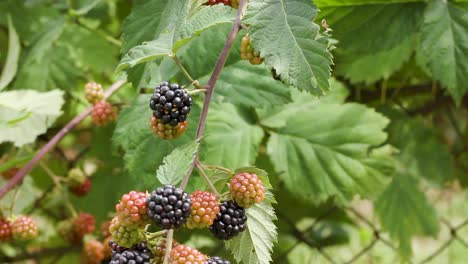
x=207, y=179
x=211, y=85
x=51, y=144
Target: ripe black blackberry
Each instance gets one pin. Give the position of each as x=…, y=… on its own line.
x=217, y=260
x=229, y=222
x=169, y=206
x=170, y=103
x=130, y=256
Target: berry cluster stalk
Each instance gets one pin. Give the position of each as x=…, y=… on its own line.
x=51, y=144
x=206, y=104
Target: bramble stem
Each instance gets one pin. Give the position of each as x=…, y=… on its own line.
x=218, y=168
x=170, y=235
x=207, y=179
x=51, y=144
x=184, y=71
x=211, y=86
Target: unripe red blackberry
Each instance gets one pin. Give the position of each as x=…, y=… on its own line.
x=215, y=2
x=169, y=207
x=83, y=224
x=229, y=222
x=182, y=254
x=93, y=252
x=247, y=189
x=217, y=260
x=8, y=174
x=105, y=229
x=125, y=236
x=131, y=210
x=248, y=52
x=160, y=250
x=167, y=131
x=205, y=208
x=5, y=230
x=170, y=103
x=94, y=92
x=24, y=228
x=82, y=189
x=103, y=113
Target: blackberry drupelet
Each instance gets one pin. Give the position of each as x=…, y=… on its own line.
x=229, y=222
x=217, y=260
x=169, y=206
x=170, y=103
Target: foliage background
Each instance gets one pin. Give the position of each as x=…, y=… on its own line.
x=389, y=140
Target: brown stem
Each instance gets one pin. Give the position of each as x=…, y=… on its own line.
x=211, y=85
x=51, y=144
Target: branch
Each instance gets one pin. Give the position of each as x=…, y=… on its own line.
x=51, y=144
x=211, y=85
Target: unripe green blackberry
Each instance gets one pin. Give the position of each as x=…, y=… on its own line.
x=103, y=113
x=205, y=208
x=248, y=52
x=168, y=207
x=160, y=250
x=247, y=189
x=217, y=260
x=94, y=92
x=170, y=103
x=93, y=252
x=67, y=232
x=182, y=254
x=82, y=189
x=131, y=210
x=167, y=131
x=125, y=236
x=215, y=2
x=5, y=230
x=24, y=228
x=229, y=222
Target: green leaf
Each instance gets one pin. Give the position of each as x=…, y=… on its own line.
x=404, y=212
x=444, y=45
x=192, y=20
x=255, y=244
x=231, y=140
x=24, y=198
x=177, y=164
x=11, y=64
x=283, y=33
x=143, y=150
x=343, y=3
x=27, y=114
x=323, y=147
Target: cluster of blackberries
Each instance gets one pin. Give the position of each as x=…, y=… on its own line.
x=168, y=206
x=170, y=103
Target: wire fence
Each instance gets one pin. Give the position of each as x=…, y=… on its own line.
x=379, y=238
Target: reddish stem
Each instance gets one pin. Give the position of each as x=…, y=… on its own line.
x=211, y=85
x=51, y=144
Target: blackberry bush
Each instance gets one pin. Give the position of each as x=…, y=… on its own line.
x=184, y=254
x=24, y=228
x=103, y=113
x=205, y=207
x=170, y=103
x=217, y=260
x=167, y=131
x=247, y=189
x=229, y=222
x=131, y=210
x=168, y=207
x=94, y=92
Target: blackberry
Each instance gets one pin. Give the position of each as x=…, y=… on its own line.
x=103, y=113
x=83, y=224
x=24, y=228
x=125, y=236
x=81, y=189
x=131, y=210
x=215, y=2
x=247, y=189
x=93, y=252
x=184, y=254
x=169, y=207
x=248, y=52
x=170, y=103
x=116, y=247
x=217, y=260
x=205, y=207
x=167, y=131
x=229, y=222
x=130, y=256
x=93, y=92
x=5, y=230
